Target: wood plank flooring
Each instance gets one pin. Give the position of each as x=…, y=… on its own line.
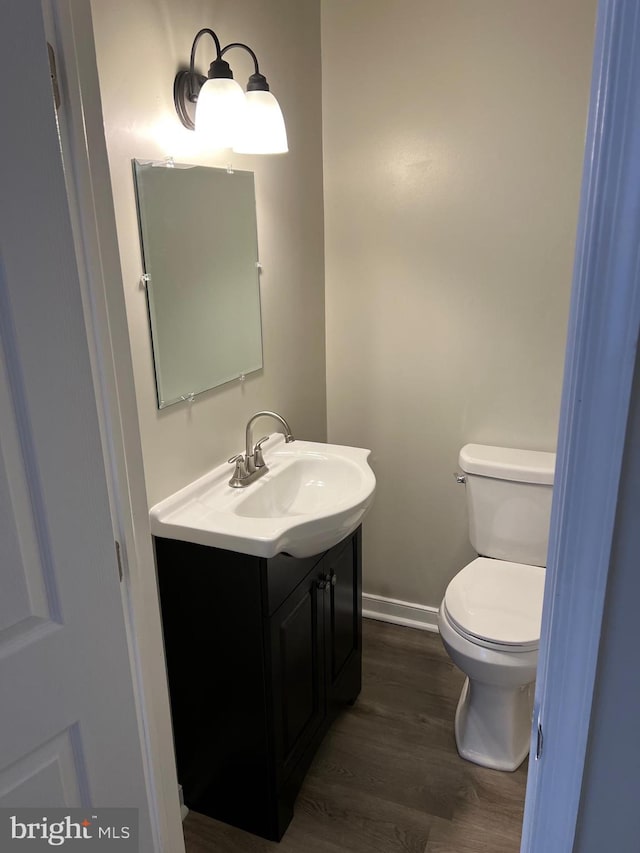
x=387, y=778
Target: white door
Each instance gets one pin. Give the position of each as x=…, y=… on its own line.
x=592, y=543
x=69, y=733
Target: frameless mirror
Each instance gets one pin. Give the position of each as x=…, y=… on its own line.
x=200, y=256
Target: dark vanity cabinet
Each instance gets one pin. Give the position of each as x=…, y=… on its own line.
x=261, y=654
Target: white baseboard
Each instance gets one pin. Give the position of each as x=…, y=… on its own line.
x=400, y=612
x=184, y=811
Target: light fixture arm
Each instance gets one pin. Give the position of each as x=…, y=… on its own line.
x=199, y=35
x=244, y=47
x=257, y=81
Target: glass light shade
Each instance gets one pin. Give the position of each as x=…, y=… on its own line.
x=262, y=129
x=220, y=110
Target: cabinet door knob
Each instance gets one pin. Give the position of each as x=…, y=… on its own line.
x=321, y=583
x=334, y=580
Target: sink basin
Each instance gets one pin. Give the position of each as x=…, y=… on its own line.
x=312, y=496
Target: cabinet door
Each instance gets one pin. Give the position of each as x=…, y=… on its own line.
x=344, y=619
x=297, y=666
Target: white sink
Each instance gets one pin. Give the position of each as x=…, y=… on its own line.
x=312, y=496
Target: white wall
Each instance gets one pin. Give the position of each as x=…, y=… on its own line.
x=453, y=141
x=140, y=46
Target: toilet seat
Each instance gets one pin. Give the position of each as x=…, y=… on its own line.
x=497, y=604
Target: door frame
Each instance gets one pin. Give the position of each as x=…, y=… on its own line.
x=69, y=28
x=604, y=329
x=603, y=332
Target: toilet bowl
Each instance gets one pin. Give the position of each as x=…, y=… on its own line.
x=489, y=622
x=489, y=618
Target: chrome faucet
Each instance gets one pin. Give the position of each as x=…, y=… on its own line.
x=252, y=465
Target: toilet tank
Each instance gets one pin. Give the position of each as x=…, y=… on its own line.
x=508, y=501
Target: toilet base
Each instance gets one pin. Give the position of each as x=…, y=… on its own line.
x=493, y=724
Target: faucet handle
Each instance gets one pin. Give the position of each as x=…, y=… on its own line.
x=257, y=452
x=240, y=472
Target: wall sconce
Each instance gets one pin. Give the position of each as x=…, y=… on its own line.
x=249, y=123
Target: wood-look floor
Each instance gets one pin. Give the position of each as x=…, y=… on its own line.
x=387, y=777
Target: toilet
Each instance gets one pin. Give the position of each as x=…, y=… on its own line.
x=490, y=615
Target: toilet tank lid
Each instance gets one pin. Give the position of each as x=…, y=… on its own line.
x=507, y=463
